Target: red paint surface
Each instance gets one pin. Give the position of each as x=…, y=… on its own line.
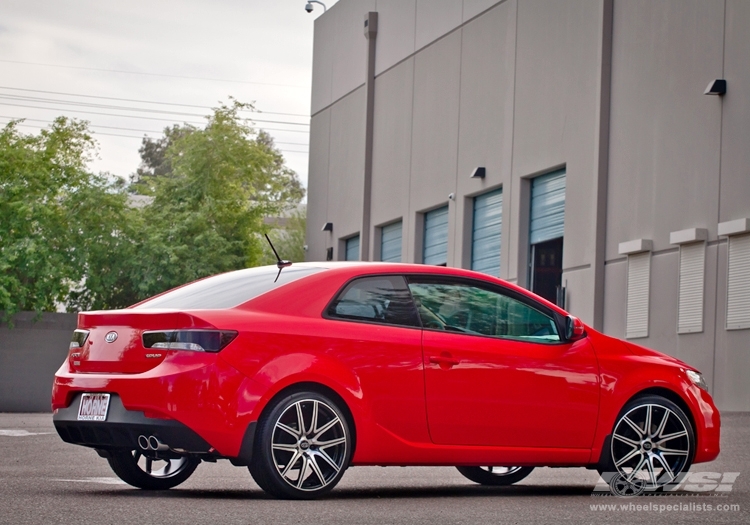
x=417, y=397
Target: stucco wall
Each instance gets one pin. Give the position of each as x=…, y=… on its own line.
x=612, y=90
x=30, y=354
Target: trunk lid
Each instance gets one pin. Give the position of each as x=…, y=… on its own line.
x=114, y=343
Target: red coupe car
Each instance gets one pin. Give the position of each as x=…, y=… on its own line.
x=334, y=365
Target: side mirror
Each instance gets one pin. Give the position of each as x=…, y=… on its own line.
x=574, y=328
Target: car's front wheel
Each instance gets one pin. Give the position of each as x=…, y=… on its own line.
x=495, y=475
x=302, y=447
x=151, y=473
x=652, y=443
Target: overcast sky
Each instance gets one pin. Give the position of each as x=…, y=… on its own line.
x=192, y=52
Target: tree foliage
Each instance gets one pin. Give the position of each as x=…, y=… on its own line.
x=68, y=236
x=210, y=204
x=288, y=237
x=53, y=214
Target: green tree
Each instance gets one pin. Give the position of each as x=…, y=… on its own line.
x=154, y=160
x=288, y=237
x=54, y=215
x=208, y=208
x=70, y=237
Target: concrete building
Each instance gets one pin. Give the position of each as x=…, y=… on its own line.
x=564, y=145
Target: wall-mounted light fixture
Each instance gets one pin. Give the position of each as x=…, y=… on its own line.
x=327, y=227
x=478, y=173
x=716, y=87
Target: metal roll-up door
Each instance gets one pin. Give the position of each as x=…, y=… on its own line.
x=486, y=233
x=692, y=271
x=639, y=280
x=435, y=250
x=738, y=283
x=547, y=207
x=352, y=248
x=390, y=242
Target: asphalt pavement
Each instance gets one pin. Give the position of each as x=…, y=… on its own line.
x=43, y=480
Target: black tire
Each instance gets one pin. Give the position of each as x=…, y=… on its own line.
x=127, y=466
x=495, y=476
x=653, y=456
x=301, y=461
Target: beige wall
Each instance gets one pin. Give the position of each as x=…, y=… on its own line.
x=612, y=90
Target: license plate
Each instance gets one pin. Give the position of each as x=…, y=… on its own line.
x=93, y=407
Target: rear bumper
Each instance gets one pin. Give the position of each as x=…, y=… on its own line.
x=122, y=428
x=195, y=402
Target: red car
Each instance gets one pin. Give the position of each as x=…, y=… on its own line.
x=340, y=364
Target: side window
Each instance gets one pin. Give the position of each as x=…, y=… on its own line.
x=472, y=310
x=382, y=299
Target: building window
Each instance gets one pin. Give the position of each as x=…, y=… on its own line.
x=390, y=242
x=738, y=283
x=486, y=233
x=352, y=249
x=547, y=221
x=435, y=248
x=690, y=309
x=639, y=277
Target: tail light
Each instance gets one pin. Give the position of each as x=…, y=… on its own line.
x=193, y=340
x=79, y=338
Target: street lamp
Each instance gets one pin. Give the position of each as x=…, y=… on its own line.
x=309, y=5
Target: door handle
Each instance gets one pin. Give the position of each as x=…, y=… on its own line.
x=444, y=360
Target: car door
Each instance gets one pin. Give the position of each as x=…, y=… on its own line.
x=374, y=330
x=497, y=372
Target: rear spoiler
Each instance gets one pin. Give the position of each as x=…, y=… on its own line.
x=142, y=319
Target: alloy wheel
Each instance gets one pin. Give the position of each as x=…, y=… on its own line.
x=309, y=445
x=650, y=444
x=160, y=467
x=501, y=471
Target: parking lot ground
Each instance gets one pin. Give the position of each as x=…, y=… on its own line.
x=43, y=480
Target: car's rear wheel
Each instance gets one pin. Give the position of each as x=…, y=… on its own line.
x=495, y=475
x=302, y=447
x=652, y=443
x=149, y=472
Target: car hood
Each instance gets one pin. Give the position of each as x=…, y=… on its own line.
x=642, y=351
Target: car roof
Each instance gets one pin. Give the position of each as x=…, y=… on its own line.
x=362, y=268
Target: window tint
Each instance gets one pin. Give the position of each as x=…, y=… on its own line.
x=227, y=289
x=382, y=299
x=472, y=310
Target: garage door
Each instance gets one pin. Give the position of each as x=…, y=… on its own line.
x=485, y=235
x=436, y=237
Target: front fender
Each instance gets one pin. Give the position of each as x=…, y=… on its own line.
x=626, y=377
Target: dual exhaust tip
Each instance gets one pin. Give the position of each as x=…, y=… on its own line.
x=151, y=443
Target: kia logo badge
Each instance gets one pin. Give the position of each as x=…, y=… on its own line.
x=111, y=337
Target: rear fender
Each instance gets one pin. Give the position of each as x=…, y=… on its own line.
x=287, y=370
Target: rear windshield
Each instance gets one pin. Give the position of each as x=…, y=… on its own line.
x=228, y=289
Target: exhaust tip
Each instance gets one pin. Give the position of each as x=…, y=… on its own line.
x=155, y=444
x=143, y=442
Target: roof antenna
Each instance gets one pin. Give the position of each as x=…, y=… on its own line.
x=280, y=263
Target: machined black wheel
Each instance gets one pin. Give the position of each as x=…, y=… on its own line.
x=495, y=475
x=652, y=443
x=302, y=447
x=151, y=472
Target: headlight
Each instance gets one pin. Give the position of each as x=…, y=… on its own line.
x=697, y=379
